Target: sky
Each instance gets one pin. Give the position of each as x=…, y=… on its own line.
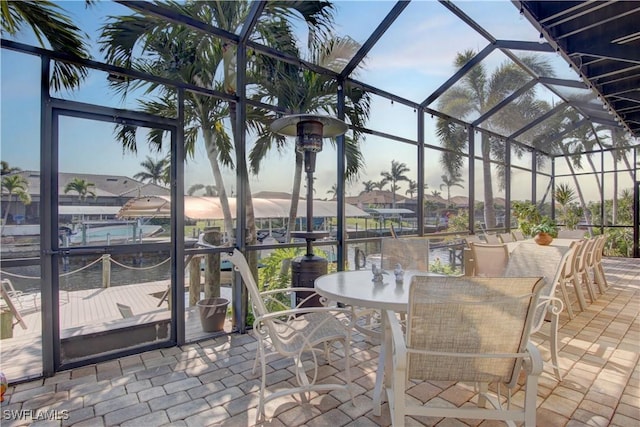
x=412, y=59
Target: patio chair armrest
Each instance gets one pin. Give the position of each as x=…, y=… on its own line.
x=555, y=305
x=287, y=290
x=310, y=296
x=534, y=363
x=294, y=312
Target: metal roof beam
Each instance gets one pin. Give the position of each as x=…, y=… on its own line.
x=568, y=14
x=607, y=69
x=467, y=20
x=373, y=39
x=583, y=26
x=153, y=9
x=250, y=23
x=633, y=96
x=504, y=103
x=610, y=51
x=554, y=138
x=537, y=121
x=562, y=82
x=458, y=75
x=521, y=45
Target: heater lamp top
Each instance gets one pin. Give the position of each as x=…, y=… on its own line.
x=288, y=125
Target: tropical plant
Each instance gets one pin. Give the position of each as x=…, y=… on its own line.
x=304, y=91
x=182, y=54
x=474, y=95
x=369, y=186
x=392, y=177
x=49, y=22
x=6, y=169
x=570, y=213
x=14, y=185
x=546, y=225
x=449, y=180
x=82, y=187
x=413, y=188
x=527, y=214
x=154, y=171
x=333, y=191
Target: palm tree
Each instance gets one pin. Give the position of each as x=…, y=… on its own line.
x=18, y=185
x=450, y=181
x=369, y=186
x=82, y=187
x=209, y=190
x=154, y=171
x=333, y=191
x=565, y=195
x=182, y=54
x=397, y=173
x=6, y=169
x=49, y=22
x=475, y=94
x=304, y=91
x=413, y=188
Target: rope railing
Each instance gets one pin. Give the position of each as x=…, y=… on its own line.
x=81, y=268
x=141, y=268
x=106, y=277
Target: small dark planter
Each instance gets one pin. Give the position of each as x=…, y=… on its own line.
x=213, y=311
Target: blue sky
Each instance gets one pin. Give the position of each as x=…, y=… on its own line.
x=412, y=60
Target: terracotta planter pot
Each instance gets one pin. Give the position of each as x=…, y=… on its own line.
x=543, y=239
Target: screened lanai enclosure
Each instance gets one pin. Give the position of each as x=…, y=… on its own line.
x=138, y=138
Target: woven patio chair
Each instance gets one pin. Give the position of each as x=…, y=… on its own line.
x=492, y=239
x=598, y=270
x=569, y=276
x=412, y=253
x=517, y=235
x=301, y=333
x=506, y=237
x=489, y=260
x=533, y=260
x=466, y=329
x=583, y=268
x=571, y=234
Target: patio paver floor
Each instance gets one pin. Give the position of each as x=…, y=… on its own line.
x=211, y=383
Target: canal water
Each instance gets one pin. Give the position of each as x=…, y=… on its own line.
x=87, y=272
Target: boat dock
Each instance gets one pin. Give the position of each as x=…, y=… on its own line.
x=94, y=311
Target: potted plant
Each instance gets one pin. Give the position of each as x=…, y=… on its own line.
x=527, y=214
x=544, y=231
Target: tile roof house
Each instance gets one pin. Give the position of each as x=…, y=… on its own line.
x=110, y=190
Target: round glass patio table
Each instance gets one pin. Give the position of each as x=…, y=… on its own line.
x=358, y=289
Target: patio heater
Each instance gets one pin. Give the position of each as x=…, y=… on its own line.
x=309, y=130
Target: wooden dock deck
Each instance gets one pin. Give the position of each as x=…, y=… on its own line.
x=93, y=310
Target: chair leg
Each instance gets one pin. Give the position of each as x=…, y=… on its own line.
x=599, y=279
x=600, y=270
x=565, y=297
x=260, y=414
x=483, y=389
x=396, y=398
x=530, y=394
x=579, y=294
x=554, y=344
x=587, y=283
